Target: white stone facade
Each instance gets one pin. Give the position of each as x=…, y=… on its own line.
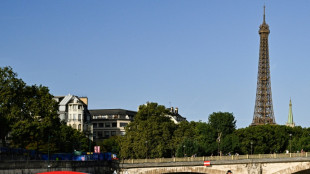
x=73, y=110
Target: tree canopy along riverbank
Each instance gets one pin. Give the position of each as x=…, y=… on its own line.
x=28, y=114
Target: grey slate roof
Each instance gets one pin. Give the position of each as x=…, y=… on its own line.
x=111, y=112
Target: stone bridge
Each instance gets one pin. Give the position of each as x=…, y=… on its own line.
x=243, y=164
x=274, y=164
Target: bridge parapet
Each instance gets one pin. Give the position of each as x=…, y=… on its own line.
x=216, y=158
x=276, y=164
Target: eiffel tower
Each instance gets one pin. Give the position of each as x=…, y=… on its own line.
x=263, y=111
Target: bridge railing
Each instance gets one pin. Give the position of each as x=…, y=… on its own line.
x=216, y=158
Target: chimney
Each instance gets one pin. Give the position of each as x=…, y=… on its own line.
x=176, y=110
x=84, y=99
x=171, y=110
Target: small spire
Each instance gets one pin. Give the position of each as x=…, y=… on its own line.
x=290, y=121
x=264, y=14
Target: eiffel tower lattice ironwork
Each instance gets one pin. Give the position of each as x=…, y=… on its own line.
x=263, y=112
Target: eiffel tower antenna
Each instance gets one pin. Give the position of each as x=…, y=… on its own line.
x=264, y=15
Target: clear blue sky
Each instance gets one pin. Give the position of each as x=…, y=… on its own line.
x=200, y=56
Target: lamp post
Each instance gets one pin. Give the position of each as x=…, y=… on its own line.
x=290, y=143
x=89, y=133
x=251, y=147
x=218, y=149
x=146, y=149
x=48, y=151
x=89, y=145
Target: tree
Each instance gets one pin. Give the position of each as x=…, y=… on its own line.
x=206, y=138
x=264, y=138
x=29, y=114
x=230, y=144
x=68, y=139
x=110, y=145
x=40, y=119
x=187, y=148
x=184, y=130
x=11, y=100
x=223, y=122
x=149, y=135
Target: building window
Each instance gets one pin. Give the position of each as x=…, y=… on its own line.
x=79, y=127
x=99, y=134
x=70, y=117
x=100, y=124
x=80, y=117
x=74, y=116
x=94, y=125
x=74, y=107
x=79, y=107
x=123, y=124
x=107, y=124
x=113, y=133
x=114, y=124
x=122, y=133
x=94, y=135
x=106, y=134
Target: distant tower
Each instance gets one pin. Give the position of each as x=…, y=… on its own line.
x=290, y=121
x=263, y=112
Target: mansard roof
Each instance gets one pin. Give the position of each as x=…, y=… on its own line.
x=111, y=112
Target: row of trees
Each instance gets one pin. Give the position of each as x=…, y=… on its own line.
x=28, y=114
x=153, y=135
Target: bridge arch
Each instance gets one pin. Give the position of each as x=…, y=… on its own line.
x=296, y=168
x=303, y=172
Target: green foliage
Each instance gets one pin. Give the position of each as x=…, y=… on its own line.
x=187, y=148
x=110, y=145
x=68, y=140
x=39, y=118
x=273, y=139
x=149, y=135
x=150, y=109
x=153, y=135
x=29, y=113
x=11, y=100
x=183, y=131
x=230, y=144
x=206, y=139
x=201, y=139
x=223, y=122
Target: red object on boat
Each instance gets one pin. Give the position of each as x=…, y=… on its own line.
x=61, y=172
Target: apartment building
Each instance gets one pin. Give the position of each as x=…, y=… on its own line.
x=73, y=110
x=110, y=122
